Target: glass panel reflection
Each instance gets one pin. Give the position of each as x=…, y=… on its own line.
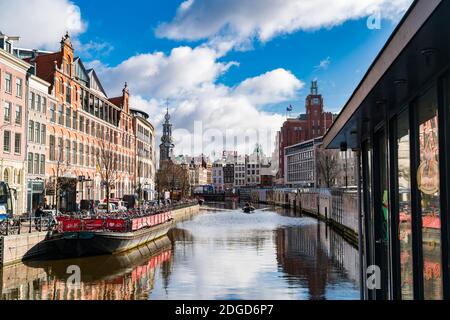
x=429, y=187
x=404, y=206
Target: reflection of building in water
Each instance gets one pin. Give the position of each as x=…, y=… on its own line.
x=129, y=277
x=313, y=253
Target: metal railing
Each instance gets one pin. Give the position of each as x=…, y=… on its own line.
x=21, y=225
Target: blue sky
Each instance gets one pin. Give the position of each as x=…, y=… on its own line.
x=228, y=68
x=350, y=48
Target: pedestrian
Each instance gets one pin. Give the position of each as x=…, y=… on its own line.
x=37, y=217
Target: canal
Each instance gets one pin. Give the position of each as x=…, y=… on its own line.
x=220, y=254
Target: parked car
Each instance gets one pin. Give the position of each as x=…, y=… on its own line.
x=103, y=208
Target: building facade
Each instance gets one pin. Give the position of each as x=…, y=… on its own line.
x=85, y=131
x=218, y=176
x=145, y=155
x=13, y=102
x=228, y=176
x=36, y=137
x=300, y=164
x=398, y=122
x=313, y=124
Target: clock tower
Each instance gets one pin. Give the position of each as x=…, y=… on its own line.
x=314, y=112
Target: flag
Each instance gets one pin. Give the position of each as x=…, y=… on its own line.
x=290, y=108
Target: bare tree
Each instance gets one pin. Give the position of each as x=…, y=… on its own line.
x=107, y=166
x=173, y=177
x=327, y=166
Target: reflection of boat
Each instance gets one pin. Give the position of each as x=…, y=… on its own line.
x=109, y=267
x=248, y=208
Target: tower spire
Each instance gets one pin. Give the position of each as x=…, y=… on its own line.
x=314, y=88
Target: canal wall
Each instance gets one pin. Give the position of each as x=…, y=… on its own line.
x=185, y=213
x=16, y=248
x=336, y=207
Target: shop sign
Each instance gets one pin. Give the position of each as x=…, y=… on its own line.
x=428, y=177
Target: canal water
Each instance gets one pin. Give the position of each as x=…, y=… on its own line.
x=220, y=254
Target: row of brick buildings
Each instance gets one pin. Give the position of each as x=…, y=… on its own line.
x=63, y=139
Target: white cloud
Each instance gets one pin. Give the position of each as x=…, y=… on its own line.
x=272, y=87
x=323, y=64
x=40, y=23
x=162, y=76
x=243, y=20
x=201, y=107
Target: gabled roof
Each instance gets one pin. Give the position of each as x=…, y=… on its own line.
x=117, y=101
x=45, y=64
x=80, y=71
x=95, y=82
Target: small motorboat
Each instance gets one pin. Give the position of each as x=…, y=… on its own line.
x=201, y=201
x=248, y=208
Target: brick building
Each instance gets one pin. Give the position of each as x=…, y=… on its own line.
x=311, y=125
x=81, y=124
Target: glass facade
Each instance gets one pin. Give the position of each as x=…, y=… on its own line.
x=404, y=206
x=428, y=183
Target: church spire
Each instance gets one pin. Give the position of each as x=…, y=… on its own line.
x=166, y=146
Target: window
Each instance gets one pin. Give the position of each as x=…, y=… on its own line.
x=31, y=100
x=75, y=120
x=42, y=165
x=7, y=117
x=68, y=113
x=81, y=149
x=52, y=148
x=52, y=112
x=8, y=83
x=61, y=114
x=81, y=123
x=86, y=148
x=429, y=187
x=38, y=103
x=67, y=150
x=87, y=126
x=19, y=87
x=17, y=143
x=36, y=163
x=60, y=149
x=18, y=115
x=69, y=94
x=30, y=163
x=37, y=132
x=7, y=141
x=43, y=134
x=31, y=131
x=74, y=152
x=44, y=105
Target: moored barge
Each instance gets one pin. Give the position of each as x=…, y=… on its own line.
x=97, y=236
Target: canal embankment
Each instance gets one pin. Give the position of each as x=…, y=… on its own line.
x=28, y=245
x=338, y=208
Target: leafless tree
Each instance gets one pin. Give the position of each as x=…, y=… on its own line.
x=173, y=177
x=107, y=166
x=59, y=183
x=327, y=163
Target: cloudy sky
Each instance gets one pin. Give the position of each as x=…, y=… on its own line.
x=228, y=69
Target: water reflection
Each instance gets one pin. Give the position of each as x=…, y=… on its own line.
x=221, y=254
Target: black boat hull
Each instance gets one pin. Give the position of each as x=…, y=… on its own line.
x=82, y=244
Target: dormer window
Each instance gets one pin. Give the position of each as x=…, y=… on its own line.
x=68, y=69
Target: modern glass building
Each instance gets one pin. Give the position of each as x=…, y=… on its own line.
x=398, y=120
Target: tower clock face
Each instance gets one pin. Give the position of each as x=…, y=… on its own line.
x=316, y=101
